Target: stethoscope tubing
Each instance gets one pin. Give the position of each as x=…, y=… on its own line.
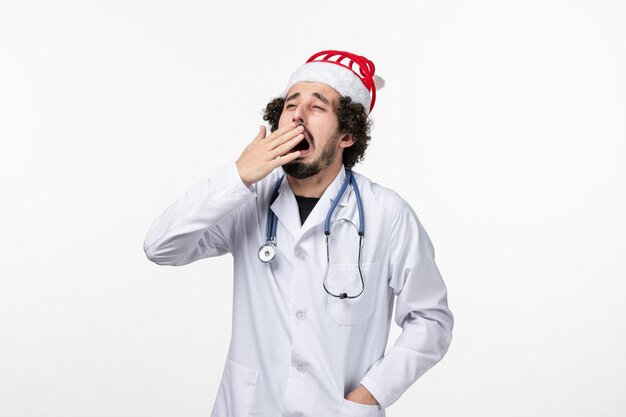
x=267, y=251
x=272, y=222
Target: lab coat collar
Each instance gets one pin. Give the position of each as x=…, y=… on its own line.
x=286, y=207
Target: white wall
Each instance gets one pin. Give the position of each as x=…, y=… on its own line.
x=502, y=123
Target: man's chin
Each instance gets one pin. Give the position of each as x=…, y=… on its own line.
x=301, y=170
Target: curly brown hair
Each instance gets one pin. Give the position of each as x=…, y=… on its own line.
x=352, y=119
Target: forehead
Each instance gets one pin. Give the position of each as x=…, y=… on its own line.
x=307, y=88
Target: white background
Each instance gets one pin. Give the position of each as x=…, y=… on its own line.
x=502, y=123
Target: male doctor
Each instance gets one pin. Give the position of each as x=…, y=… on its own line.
x=320, y=253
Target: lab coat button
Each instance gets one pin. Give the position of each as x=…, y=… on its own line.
x=301, y=255
x=300, y=315
x=301, y=368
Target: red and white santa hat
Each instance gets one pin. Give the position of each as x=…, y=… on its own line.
x=349, y=74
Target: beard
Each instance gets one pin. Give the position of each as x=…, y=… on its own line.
x=302, y=170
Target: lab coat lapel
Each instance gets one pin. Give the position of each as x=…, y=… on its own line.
x=286, y=209
x=319, y=212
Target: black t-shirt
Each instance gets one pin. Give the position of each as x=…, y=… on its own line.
x=305, y=205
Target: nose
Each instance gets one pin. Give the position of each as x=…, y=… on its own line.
x=299, y=114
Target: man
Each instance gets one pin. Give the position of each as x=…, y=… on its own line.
x=316, y=276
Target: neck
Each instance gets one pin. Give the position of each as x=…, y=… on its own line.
x=316, y=185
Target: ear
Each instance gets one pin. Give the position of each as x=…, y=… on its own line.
x=346, y=141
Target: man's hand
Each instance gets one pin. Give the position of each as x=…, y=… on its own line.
x=264, y=154
x=362, y=396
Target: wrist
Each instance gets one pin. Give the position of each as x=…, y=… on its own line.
x=245, y=182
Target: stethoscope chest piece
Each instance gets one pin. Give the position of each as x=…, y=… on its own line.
x=267, y=252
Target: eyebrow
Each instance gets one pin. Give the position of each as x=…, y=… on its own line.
x=316, y=95
x=291, y=97
x=321, y=97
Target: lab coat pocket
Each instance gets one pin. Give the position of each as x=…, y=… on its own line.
x=345, y=278
x=352, y=409
x=236, y=391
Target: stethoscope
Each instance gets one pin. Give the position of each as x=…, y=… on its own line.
x=267, y=251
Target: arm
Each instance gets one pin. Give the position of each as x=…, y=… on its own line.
x=199, y=224
x=421, y=310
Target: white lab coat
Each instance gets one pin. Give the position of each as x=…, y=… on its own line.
x=295, y=350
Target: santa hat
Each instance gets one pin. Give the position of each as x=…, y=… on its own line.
x=349, y=74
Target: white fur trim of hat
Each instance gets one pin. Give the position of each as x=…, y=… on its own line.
x=333, y=71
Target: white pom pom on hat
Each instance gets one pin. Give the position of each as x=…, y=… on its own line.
x=349, y=74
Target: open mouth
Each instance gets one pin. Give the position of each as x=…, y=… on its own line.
x=305, y=143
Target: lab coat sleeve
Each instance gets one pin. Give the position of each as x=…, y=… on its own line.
x=200, y=223
x=421, y=310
